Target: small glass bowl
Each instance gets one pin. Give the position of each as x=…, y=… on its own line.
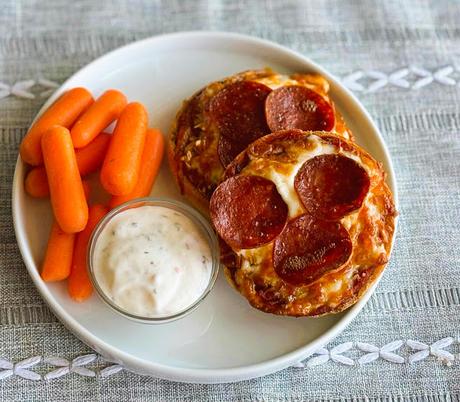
x=200, y=222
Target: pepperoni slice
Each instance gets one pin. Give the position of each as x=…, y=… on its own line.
x=247, y=211
x=238, y=111
x=308, y=248
x=298, y=107
x=228, y=150
x=331, y=186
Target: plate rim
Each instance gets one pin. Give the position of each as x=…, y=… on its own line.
x=183, y=374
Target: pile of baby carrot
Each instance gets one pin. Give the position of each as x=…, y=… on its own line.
x=66, y=144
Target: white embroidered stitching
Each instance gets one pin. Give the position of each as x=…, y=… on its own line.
x=51, y=85
x=23, y=89
x=385, y=352
x=436, y=349
x=389, y=352
x=335, y=354
x=24, y=368
x=411, y=77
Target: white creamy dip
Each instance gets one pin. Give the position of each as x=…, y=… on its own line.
x=152, y=261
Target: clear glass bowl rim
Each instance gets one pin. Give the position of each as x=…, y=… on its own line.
x=199, y=220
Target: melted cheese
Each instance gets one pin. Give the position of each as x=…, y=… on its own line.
x=276, y=81
x=312, y=81
x=283, y=175
x=332, y=290
x=370, y=228
x=285, y=181
x=374, y=216
x=254, y=257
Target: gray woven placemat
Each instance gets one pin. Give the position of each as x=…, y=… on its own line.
x=400, y=58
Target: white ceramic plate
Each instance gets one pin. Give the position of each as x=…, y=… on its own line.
x=225, y=339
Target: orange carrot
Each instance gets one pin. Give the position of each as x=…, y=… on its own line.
x=150, y=163
x=90, y=158
x=66, y=190
x=58, y=257
x=122, y=162
x=104, y=111
x=86, y=189
x=63, y=112
x=79, y=284
x=36, y=183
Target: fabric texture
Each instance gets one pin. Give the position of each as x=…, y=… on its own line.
x=402, y=60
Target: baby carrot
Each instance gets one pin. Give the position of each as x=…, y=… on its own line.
x=79, y=284
x=122, y=162
x=150, y=163
x=58, y=257
x=90, y=158
x=63, y=112
x=104, y=111
x=86, y=189
x=66, y=190
x=36, y=183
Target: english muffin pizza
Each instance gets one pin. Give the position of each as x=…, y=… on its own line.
x=304, y=216
x=223, y=118
x=307, y=222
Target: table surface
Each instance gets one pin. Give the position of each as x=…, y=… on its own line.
x=400, y=59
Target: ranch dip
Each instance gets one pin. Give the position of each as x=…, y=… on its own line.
x=152, y=261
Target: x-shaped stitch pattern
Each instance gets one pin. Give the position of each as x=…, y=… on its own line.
x=436, y=349
x=389, y=352
x=20, y=369
x=372, y=353
x=23, y=368
x=22, y=89
x=412, y=77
